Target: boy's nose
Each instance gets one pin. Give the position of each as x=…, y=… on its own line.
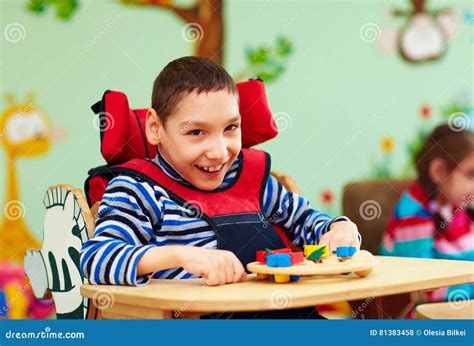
x=218, y=150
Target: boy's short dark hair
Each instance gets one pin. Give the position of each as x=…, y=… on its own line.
x=183, y=76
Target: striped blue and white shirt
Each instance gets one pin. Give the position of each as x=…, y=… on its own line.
x=135, y=216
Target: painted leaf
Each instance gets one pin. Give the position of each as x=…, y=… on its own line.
x=316, y=255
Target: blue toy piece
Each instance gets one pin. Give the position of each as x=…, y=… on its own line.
x=279, y=260
x=345, y=251
x=352, y=250
x=294, y=278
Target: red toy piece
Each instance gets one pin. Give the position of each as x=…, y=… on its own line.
x=260, y=255
x=285, y=250
x=297, y=257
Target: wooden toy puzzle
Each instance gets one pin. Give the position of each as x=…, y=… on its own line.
x=284, y=265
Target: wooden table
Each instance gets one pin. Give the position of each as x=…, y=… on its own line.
x=460, y=310
x=191, y=298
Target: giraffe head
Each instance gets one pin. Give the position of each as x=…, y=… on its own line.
x=25, y=130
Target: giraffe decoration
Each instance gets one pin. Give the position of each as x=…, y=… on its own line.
x=25, y=133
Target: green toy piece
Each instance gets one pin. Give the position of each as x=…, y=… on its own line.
x=316, y=255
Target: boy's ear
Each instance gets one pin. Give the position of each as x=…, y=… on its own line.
x=438, y=170
x=152, y=127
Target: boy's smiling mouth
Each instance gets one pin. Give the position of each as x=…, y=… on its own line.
x=211, y=170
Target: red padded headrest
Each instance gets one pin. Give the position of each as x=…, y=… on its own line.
x=257, y=121
x=122, y=129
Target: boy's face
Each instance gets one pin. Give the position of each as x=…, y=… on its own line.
x=202, y=137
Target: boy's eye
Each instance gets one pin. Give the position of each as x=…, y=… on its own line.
x=195, y=132
x=231, y=127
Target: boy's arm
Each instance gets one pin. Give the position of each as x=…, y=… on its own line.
x=121, y=251
x=302, y=224
x=123, y=232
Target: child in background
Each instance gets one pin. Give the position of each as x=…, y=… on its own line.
x=157, y=230
x=433, y=219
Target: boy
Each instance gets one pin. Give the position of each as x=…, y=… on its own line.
x=212, y=207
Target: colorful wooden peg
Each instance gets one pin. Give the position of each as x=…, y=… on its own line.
x=281, y=278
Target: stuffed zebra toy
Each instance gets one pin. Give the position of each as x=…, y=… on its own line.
x=55, y=267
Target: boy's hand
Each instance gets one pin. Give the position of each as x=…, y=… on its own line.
x=217, y=267
x=341, y=233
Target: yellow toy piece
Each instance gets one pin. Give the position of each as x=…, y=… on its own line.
x=281, y=278
x=309, y=249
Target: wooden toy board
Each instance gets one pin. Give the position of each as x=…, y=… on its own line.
x=329, y=266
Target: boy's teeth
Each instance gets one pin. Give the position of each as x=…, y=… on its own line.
x=211, y=169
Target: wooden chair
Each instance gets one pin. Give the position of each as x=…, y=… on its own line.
x=54, y=270
x=369, y=204
x=287, y=181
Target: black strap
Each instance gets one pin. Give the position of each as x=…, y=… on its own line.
x=96, y=107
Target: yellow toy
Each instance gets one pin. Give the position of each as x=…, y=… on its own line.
x=281, y=278
x=309, y=249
